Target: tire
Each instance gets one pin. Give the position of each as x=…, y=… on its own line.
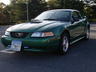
x=64, y=44
x=87, y=35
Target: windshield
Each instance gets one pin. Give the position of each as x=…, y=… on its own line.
x=55, y=15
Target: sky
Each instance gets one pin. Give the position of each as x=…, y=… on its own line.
x=5, y=1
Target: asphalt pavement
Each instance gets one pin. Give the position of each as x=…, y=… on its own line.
x=81, y=58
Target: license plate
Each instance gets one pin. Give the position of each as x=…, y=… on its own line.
x=16, y=45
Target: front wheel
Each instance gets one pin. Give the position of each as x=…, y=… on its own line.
x=64, y=44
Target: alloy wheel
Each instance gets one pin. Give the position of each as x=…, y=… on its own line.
x=65, y=44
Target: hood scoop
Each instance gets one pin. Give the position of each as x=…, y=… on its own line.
x=35, y=21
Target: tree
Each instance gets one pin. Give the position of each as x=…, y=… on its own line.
x=36, y=7
x=53, y=4
x=18, y=9
x=66, y=4
x=3, y=14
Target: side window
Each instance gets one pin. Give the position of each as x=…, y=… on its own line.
x=76, y=16
x=79, y=15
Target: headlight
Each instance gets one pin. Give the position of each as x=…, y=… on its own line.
x=7, y=33
x=42, y=34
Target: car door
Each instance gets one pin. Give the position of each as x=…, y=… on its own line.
x=82, y=24
x=76, y=22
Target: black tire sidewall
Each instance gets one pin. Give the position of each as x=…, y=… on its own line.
x=61, y=51
x=87, y=38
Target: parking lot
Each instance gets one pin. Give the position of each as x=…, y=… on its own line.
x=81, y=58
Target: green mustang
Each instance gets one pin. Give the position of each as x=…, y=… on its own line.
x=52, y=30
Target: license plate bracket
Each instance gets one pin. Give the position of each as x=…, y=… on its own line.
x=16, y=45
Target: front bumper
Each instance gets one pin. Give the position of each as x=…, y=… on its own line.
x=34, y=44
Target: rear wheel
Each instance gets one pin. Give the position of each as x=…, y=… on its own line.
x=64, y=44
x=87, y=36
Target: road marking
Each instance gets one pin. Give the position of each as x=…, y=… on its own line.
x=8, y=51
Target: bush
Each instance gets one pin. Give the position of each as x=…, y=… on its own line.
x=92, y=20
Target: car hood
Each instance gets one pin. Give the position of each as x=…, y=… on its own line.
x=34, y=27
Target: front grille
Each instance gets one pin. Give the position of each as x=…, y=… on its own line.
x=18, y=34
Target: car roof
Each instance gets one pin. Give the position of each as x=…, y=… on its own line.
x=71, y=10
